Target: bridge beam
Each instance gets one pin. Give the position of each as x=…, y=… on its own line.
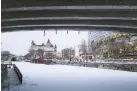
x=70, y=28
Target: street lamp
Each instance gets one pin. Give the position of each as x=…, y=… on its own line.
x=44, y=33
x=56, y=31
x=78, y=32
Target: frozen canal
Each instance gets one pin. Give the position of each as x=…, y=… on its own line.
x=40, y=77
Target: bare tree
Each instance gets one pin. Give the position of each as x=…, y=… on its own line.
x=83, y=47
x=27, y=56
x=40, y=53
x=32, y=54
x=68, y=52
x=49, y=55
x=65, y=53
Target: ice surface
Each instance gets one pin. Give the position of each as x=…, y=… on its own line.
x=41, y=77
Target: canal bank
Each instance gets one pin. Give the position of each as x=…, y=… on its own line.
x=11, y=76
x=41, y=77
x=125, y=65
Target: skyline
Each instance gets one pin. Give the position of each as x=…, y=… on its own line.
x=19, y=42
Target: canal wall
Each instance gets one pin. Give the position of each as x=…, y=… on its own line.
x=125, y=65
x=10, y=75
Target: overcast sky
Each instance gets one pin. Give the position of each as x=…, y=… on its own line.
x=19, y=42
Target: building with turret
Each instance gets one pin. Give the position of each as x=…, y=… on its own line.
x=43, y=50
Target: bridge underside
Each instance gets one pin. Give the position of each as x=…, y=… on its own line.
x=103, y=15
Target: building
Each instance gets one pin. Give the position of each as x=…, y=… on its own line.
x=113, y=46
x=42, y=51
x=95, y=36
x=68, y=53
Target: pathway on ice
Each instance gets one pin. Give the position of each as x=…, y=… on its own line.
x=41, y=77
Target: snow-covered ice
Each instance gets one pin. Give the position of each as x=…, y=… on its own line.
x=41, y=77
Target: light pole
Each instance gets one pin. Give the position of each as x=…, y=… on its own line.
x=74, y=52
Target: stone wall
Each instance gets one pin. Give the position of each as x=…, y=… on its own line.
x=119, y=65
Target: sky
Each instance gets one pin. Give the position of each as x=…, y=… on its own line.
x=19, y=42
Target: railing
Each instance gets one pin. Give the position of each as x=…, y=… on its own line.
x=18, y=73
x=4, y=74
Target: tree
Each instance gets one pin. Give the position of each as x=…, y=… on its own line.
x=49, y=55
x=68, y=52
x=27, y=56
x=40, y=53
x=83, y=47
x=32, y=54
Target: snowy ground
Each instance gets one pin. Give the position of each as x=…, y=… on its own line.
x=41, y=77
